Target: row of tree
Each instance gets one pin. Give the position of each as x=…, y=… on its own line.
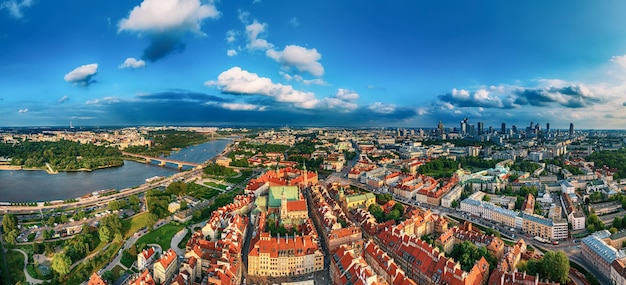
x=61, y=155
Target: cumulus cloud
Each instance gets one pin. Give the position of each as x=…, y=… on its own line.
x=336, y=103
x=231, y=52
x=480, y=98
x=348, y=95
x=23, y=110
x=382, y=108
x=63, y=99
x=82, y=75
x=619, y=60
x=15, y=7
x=254, y=35
x=105, y=100
x=166, y=22
x=241, y=82
x=294, y=22
x=303, y=59
x=242, y=107
x=132, y=63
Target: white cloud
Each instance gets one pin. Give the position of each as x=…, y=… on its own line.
x=336, y=103
x=132, y=63
x=347, y=95
x=382, y=108
x=299, y=78
x=105, y=100
x=243, y=16
x=63, y=99
x=620, y=60
x=82, y=75
x=303, y=59
x=231, y=52
x=168, y=16
x=231, y=36
x=239, y=81
x=242, y=107
x=253, y=32
x=294, y=22
x=460, y=94
x=15, y=7
x=23, y=110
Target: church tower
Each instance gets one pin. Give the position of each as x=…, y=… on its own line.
x=283, y=205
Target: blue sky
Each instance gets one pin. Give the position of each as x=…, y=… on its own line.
x=312, y=63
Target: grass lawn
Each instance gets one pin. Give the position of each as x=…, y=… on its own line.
x=15, y=260
x=135, y=223
x=202, y=192
x=161, y=236
x=245, y=174
x=213, y=184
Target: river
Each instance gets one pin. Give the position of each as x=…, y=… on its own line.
x=26, y=185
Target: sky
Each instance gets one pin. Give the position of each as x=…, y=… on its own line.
x=313, y=63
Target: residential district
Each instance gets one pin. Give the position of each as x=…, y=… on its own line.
x=460, y=205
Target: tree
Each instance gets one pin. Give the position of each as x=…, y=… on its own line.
x=152, y=220
x=9, y=222
x=51, y=221
x=617, y=222
x=487, y=198
x=61, y=263
x=114, y=205
x=64, y=218
x=454, y=204
x=105, y=234
x=37, y=248
x=556, y=265
x=109, y=276
x=183, y=205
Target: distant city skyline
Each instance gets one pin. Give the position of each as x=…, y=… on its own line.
x=312, y=63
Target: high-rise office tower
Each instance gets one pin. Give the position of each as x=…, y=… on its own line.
x=503, y=129
x=571, y=129
x=464, y=126
x=440, y=128
x=481, y=128
x=548, y=128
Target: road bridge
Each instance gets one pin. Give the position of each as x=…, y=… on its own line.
x=162, y=160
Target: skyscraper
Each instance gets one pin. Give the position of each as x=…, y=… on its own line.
x=547, y=128
x=481, y=128
x=503, y=129
x=440, y=128
x=464, y=123
x=571, y=130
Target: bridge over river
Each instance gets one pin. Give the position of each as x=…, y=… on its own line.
x=163, y=160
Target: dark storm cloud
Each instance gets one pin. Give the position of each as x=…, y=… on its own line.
x=477, y=101
x=182, y=95
x=162, y=45
x=147, y=112
x=572, y=96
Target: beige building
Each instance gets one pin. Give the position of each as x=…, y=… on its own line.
x=285, y=256
x=164, y=267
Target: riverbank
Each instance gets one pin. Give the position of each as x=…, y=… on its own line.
x=48, y=169
x=24, y=186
